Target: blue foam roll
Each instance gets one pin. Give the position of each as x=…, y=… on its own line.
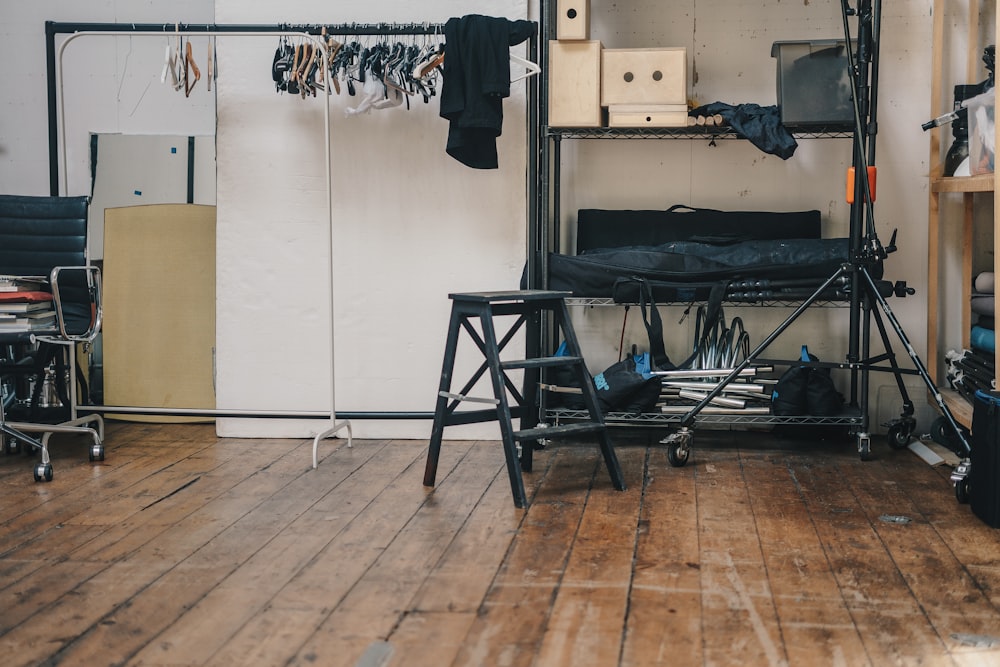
x=983, y=339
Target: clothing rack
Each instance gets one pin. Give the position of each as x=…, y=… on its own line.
x=53, y=28
x=56, y=119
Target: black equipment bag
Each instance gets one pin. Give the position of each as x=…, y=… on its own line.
x=593, y=274
x=602, y=228
x=984, y=476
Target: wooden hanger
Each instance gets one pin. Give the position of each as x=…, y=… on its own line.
x=210, y=64
x=309, y=55
x=189, y=65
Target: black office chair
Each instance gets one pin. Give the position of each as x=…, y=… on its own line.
x=43, y=244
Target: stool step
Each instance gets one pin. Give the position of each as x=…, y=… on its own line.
x=541, y=362
x=558, y=431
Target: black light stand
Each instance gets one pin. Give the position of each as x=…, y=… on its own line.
x=866, y=255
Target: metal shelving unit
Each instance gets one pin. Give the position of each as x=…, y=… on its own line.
x=865, y=305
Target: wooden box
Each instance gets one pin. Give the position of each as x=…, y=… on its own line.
x=644, y=76
x=574, y=84
x=573, y=19
x=647, y=115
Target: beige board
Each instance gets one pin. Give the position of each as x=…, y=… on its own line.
x=644, y=76
x=573, y=19
x=158, y=335
x=575, y=84
x=648, y=115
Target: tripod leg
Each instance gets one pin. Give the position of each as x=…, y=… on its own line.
x=921, y=369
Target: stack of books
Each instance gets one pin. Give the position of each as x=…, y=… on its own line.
x=25, y=306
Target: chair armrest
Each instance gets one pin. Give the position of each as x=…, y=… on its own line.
x=92, y=277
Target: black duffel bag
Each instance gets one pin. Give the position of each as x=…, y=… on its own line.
x=593, y=274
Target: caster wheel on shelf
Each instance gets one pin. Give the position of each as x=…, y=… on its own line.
x=898, y=435
x=962, y=491
x=96, y=453
x=678, y=447
x=864, y=446
x=677, y=455
x=43, y=472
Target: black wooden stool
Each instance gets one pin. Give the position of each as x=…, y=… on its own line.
x=526, y=304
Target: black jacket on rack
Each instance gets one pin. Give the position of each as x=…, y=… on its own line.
x=476, y=79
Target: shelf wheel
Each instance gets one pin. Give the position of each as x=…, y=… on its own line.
x=865, y=446
x=900, y=432
x=678, y=446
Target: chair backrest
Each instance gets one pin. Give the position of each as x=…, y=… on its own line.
x=39, y=233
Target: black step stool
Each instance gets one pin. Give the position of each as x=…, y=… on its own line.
x=525, y=304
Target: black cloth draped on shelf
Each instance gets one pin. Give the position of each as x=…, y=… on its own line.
x=476, y=80
x=759, y=125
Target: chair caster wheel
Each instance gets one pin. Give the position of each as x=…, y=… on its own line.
x=43, y=471
x=11, y=446
x=96, y=453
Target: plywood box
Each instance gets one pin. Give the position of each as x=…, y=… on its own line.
x=647, y=115
x=575, y=84
x=644, y=76
x=573, y=19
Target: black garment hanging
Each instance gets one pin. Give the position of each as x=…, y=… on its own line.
x=476, y=79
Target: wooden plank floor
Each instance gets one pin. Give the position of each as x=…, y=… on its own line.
x=185, y=549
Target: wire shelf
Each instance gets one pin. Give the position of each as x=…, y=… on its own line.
x=718, y=132
x=848, y=418
x=607, y=301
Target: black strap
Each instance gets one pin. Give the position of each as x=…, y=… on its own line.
x=654, y=324
x=654, y=327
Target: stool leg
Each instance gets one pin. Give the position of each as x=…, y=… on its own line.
x=590, y=397
x=447, y=368
x=503, y=409
x=530, y=391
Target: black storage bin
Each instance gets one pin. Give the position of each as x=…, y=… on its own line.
x=984, y=477
x=814, y=86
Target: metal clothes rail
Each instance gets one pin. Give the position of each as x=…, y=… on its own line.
x=57, y=159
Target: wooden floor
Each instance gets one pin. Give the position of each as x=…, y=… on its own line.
x=185, y=549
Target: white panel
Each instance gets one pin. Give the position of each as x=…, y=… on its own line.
x=411, y=226
x=134, y=170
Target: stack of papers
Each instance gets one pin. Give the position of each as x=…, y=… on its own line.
x=23, y=309
x=22, y=283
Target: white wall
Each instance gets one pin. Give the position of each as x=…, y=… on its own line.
x=412, y=225
x=111, y=84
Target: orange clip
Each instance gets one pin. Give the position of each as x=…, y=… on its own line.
x=850, y=183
